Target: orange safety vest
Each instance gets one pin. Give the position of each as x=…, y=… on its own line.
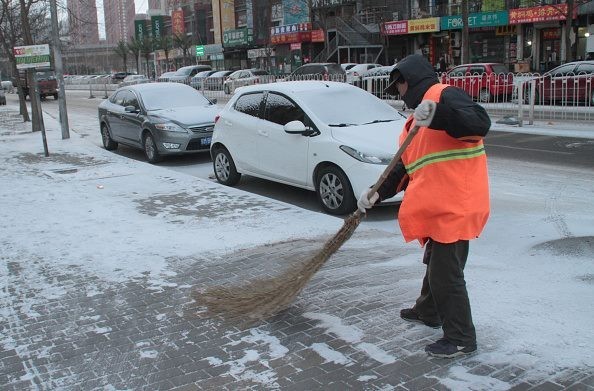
x=447, y=197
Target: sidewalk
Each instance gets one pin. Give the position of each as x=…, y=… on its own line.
x=101, y=257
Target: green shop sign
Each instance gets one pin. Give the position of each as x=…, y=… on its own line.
x=238, y=37
x=479, y=19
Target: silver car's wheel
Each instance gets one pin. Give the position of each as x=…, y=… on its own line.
x=108, y=143
x=150, y=149
x=224, y=168
x=334, y=191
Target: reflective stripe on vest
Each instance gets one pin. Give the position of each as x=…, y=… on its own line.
x=442, y=156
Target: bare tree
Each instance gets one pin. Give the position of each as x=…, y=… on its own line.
x=184, y=43
x=122, y=51
x=134, y=47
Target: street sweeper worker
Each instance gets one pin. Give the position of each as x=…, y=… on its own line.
x=446, y=202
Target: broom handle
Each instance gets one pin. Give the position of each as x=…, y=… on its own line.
x=411, y=134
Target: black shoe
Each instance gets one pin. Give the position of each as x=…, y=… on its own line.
x=445, y=349
x=409, y=314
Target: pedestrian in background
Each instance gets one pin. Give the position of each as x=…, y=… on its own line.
x=446, y=202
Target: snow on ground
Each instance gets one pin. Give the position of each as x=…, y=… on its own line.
x=530, y=276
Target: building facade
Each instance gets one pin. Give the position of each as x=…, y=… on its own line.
x=119, y=20
x=82, y=22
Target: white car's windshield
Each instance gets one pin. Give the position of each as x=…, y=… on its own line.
x=161, y=98
x=348, y=107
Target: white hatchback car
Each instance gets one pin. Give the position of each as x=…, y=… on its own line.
x=332, y=138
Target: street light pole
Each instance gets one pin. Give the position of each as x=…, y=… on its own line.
x=59, y=70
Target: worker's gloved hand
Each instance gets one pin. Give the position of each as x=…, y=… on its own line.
x=424, y=113
x=366, y=200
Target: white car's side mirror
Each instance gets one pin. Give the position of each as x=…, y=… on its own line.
x=295, y=127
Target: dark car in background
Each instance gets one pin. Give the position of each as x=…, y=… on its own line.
x=159, y=118
x=319, y=71
x=198, y=79
x=185, y=74
x=568, y=83
x=484, y=82
x=118, y=77
x=215, y=81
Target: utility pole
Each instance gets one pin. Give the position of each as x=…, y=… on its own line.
x=465, y=45
x=59, y=71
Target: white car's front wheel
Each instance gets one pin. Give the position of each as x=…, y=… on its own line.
x=334, y=191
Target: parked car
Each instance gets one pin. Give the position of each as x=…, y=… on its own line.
x=185, y=74
x=165, y=76
x=482, y=81
x=118, y=77
x=319, y=71
x=2, y=97
x=134, y=79
x=215, y=81
x=198, y=79
x=376, y=80
x=46, y=82
x=329, y=137
x=245, y=77
x=7, y=86
x=354, y=73
x=347, y=65
x=567, y=83
x=159, y=118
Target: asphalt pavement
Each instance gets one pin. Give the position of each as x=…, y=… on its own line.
x=92, y=332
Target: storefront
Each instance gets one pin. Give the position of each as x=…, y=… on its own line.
x=545, y=36
x=289, y=42
x=236, y=43
x=486, y=42
x=412, y=36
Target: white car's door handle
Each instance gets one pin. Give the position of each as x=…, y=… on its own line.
x=263, y=133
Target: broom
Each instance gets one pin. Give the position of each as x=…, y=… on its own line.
x=260, y=299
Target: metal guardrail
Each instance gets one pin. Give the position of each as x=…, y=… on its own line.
x=526, y=97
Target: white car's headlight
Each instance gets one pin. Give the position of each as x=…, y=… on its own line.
x=170, y=127
x=366, y=157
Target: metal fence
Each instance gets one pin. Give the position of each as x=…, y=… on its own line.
x=526, y=96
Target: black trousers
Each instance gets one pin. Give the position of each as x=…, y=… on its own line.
x=443, y=295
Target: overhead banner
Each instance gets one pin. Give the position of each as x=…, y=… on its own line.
x=395, y=28
x=140, y=30
x=178, y=25
x=157, y=26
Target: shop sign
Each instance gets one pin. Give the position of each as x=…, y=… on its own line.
x=479, y=19
x=330, y=3
x=547, y=13
x=214, y=48
x=318, y=36
x=426, y=25
x=290, y=28
x=260, y=52
x=395, y=28
x=295, y=11
x=304, y=36
x=553, y=34
x=178, y=25
x=238, y=37
x=157, y=25
x=32, y=56
x=506, y=30
x=296, y=46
